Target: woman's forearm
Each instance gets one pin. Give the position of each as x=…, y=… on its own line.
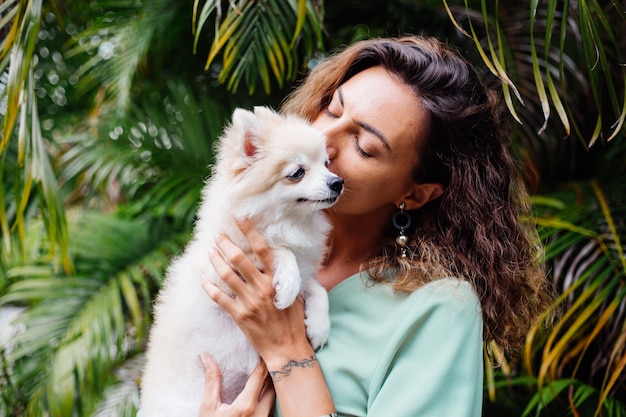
x=299, y=383
x=278, y=335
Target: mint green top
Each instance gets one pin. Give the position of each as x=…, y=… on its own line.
x=404, y=355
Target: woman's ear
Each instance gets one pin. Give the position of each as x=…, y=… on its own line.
x=420, y=194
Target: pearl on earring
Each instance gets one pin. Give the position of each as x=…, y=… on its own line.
x=402, y=221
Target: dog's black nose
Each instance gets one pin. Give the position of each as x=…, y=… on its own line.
x=336, y=184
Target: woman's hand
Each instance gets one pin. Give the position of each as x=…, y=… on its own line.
x=279, y=336
x=273, y=333
x=256, y=399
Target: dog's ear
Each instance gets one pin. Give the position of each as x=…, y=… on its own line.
x=249, y=124
x=249, y=143
x=266, y=113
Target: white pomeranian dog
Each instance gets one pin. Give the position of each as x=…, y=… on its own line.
x=271, y=169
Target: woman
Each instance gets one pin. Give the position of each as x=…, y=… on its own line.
x=430, y=255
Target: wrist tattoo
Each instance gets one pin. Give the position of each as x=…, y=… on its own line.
x=285, y=370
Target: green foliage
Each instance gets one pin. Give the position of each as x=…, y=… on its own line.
x=541, y=55
x=580, y=399
x=80, y=327
x=554, y=57
x=258, y=40
x=23, y=113
x=109, y=118
x=584, y=230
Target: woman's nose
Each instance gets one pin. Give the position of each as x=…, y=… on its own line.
x=331, y=142
x=330, y=132
x=331, y=150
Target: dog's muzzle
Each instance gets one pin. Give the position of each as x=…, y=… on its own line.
x=335, y=185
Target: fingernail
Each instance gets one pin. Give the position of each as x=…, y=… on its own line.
x=239, y=218
x=204, y=359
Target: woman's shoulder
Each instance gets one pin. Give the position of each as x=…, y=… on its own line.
x=454, y=295
x=447, y=289
x=449, y=296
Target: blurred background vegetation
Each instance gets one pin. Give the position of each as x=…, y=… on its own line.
x=109, y=109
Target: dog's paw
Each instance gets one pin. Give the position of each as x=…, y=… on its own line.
x=286, y=278
x=317, y=329
x=286, y=292
x=317, y=319
x=316, y=315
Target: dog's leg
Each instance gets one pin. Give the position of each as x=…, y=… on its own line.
x=316, y=319
x=286, y=277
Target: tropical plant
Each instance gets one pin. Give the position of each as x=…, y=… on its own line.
x=82, y=326
x=579, y=364
x=123, y=141
x=554, y=56
x=103, y=306
x=21, y=21
x=110, y=109
x=567, y=57
x=241, y=38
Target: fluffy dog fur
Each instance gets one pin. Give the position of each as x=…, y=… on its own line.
x=272, y=170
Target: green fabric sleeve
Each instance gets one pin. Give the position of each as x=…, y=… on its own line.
x=404, y=355
x=432, y=365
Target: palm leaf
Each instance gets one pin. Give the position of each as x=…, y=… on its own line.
x=588, y=36
x=112, y=50
x=122, y=398
x=22, y=112
x=256, y=38
x=157, y=159
x=118, y=265
x=575, y=392
x=21, y=44
x=589, y=269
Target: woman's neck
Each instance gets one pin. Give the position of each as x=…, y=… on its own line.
x=352, y=241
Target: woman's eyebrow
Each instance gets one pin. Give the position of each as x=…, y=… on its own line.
x=376, y=133
x=366, y=126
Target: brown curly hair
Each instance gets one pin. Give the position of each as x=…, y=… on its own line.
x=480, y=229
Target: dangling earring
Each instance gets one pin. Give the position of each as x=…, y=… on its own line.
x=401, y=221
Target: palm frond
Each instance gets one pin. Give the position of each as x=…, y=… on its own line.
x=20, y=45
x=8, y=11
x=21, y=112
x=84, y=324
x=155, y=160
x=549, y=50
x=584, y=244
x=121, y=399
x=576, y=394
x=259, y=41
x=113, y=49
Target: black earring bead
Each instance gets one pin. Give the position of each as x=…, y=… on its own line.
x=402, y=221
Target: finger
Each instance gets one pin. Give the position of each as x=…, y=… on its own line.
x=258, y=244
x=211, y=399
x=216, y=294
x=225, y=271
x=268, y=396
x=236, y=261
x=252, y=391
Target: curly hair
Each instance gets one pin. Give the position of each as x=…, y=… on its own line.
x=481, y=228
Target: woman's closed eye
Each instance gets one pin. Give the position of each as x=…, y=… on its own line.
x=329, y=113
x=360, y=150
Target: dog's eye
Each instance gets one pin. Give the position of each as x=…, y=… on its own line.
x=327, y=163
x=297, y=174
